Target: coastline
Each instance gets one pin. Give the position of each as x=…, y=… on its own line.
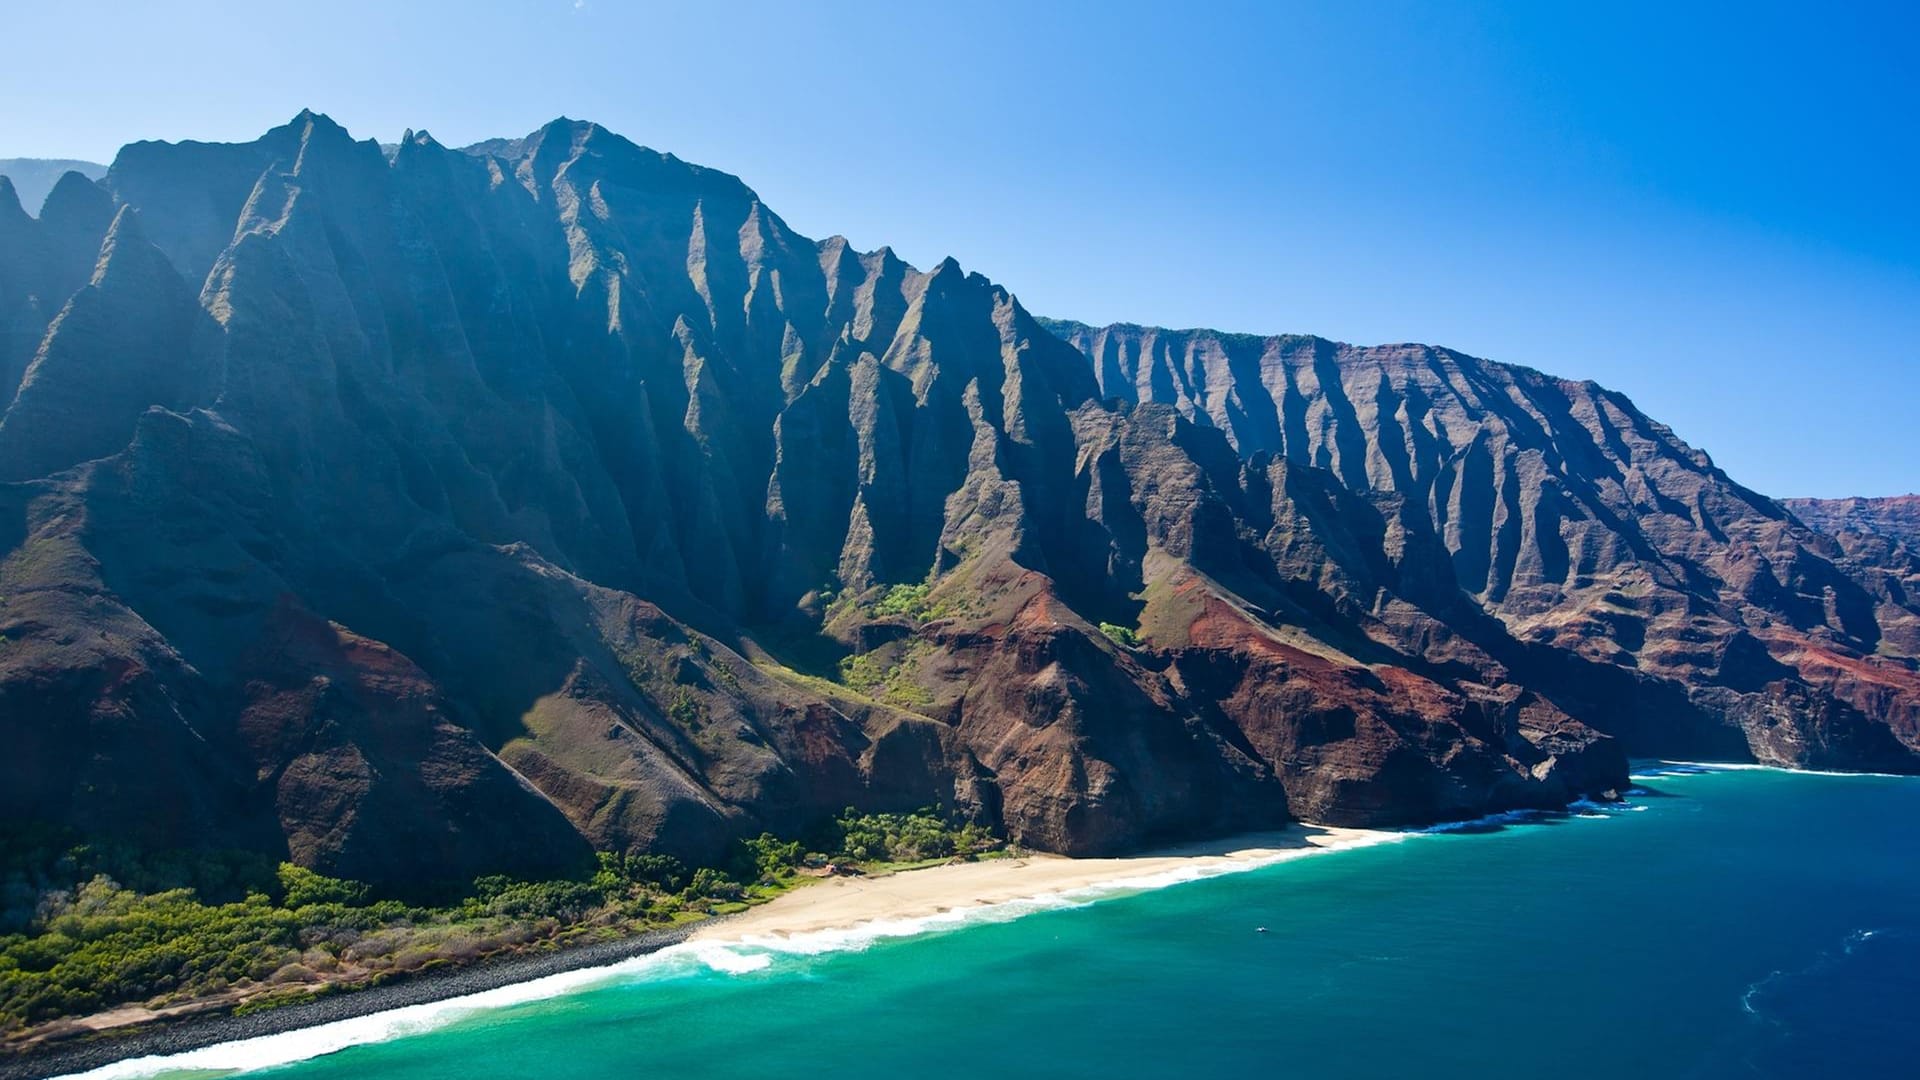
x=902, y=900
x=895, y=904
x=198, y=1032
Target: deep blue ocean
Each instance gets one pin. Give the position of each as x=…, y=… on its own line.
x=1744, y=923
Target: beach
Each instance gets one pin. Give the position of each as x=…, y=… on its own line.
x=1431, y=931
x=845, y=903
x=1722, y=932
x=894, y=904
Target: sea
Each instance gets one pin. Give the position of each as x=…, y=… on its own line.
x=1725, y=922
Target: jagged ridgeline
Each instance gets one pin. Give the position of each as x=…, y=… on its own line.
x=433, y=512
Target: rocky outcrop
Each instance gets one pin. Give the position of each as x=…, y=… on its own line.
x=423, y=514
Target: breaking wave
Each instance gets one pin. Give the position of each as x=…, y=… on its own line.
x=1655, y=769
x=746, y=956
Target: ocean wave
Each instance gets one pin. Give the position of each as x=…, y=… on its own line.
x=748, y=955
x=863, y=935
x=1578, y=808
x=1490, y=821
x=1753, y=998
x=1694, y=768
x=762, y=949
x=266, y=1051
x=717, y=957
x=1588, y=808
x=1754, y=989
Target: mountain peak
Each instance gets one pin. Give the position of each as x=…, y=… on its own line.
x=124, y=230
x=310, y=118
x=560, y=136
x=76, y=200
x=10, y=208
x=563, y=130
x=615, y=391
x=307, y=130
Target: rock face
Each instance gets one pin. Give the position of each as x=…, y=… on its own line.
x=1565, y=536
x=1896, y=518
x=440, y=512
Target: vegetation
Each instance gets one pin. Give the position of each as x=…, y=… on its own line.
x=893, y=683
x=908, y=600
x=101, y=944
x=907, y=838
x=232, y=927
x=913, y=602
x=1120, y=635
x=687, y=709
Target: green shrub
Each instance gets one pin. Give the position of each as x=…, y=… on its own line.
x=687, y=709
x=913, y=837
x=908, y=600
x=1120, y=635
x=300, y=886
x=767, y=858
x=564, y=900
x=889, y=682
x=711, y=884
x=664, y=871
x=863, y=672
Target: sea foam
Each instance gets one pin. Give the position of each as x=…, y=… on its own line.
x=1691, y=768
x=745, y=956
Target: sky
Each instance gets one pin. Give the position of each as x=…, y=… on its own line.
x=1712, y=208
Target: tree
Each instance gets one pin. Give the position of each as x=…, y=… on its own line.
x=711, y=884
x=768, y=858
x=301, y=886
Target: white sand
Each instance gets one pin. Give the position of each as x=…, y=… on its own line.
x=832, y=913
x=842, y=903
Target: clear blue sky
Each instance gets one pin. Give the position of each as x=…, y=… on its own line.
x=1712, y=209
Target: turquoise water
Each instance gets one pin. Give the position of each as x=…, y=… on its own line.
x=1741, y=924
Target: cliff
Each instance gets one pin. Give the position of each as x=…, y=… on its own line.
x=423, y=514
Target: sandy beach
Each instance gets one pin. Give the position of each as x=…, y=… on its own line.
x=841, y=903
x=890, y=903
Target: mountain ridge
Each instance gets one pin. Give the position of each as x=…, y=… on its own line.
x=1891, y=517
x=32, y=179
x=468, y=510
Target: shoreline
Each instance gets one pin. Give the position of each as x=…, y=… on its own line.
x=205, y=1030
x=892, y=905
x=832, y=914
x=901, y=903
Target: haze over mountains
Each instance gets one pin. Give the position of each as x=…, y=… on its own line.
x=33, y=178
x=458, y=511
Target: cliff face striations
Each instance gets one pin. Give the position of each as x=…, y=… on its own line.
x=1895, y=519
x=1578, y=544
x=440, y=512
